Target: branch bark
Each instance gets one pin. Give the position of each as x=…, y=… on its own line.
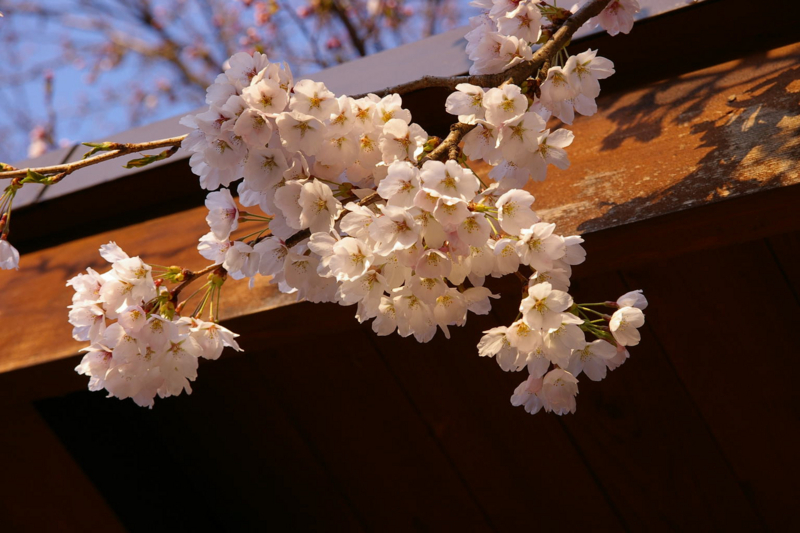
x=118, y=150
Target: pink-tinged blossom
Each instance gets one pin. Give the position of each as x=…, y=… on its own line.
x=474, y=230
x=633, y=299
x=624, y=325
x=543, y=306
x=523, y=21
x=253, y=128
x=212, y=338
x=525, y=395
x=559, y=342
x=514, y=211
x=9, y=256
x=592, y=360
x=449, y=180
x=586, y=70
x=433, y=264
x=506, y=256
x=241, y=260
x=401, y=141
x=618, y=16
x=264, y=168
x=313, y=98
x=524, y=338
x=466, y=102
x=504, y=103
x=559, y=389
x=395, y=230
x=519, y=136
x=223, y=215
x=212, y=248
x=400, y=185
x=539, y=247
x=390, y=107
x=266, y=96
x=551, y=147
x=319, y=207
x=300, y=132
x=242, y=67
x=481, y=143
x=619, y=358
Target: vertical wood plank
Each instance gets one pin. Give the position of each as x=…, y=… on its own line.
x=642, y=436
x=338, y=392
x=520, y=467
x=785, y=248
x=728, y=320
x=41, y=486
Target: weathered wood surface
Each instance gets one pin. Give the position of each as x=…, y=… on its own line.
x=695, y=432
x=717, y=134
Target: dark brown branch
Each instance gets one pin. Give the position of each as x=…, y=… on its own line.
x=352, y=32
x=457, y=132
x=189, y=276
x=516, y=74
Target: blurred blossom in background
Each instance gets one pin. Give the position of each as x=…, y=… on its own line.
x=77, y=70
x=80, y=70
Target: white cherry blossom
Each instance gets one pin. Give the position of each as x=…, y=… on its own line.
x=624, y=325
x=9, y=256
x=592, y=359
x=559, y=389
x=223, y=215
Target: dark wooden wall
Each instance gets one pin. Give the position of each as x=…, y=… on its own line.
x=321, y=425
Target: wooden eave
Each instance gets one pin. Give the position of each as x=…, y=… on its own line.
x=696, y=160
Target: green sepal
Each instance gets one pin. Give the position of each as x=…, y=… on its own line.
x=34, y=177
x=146, y=160
x=98, y=147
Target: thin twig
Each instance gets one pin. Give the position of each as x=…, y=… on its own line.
x=118, y=150
x=189, y=276
x=457, y=132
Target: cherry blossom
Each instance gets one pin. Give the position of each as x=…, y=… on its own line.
x=358, y=211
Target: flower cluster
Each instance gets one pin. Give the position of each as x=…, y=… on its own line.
x=549, y=339
x=359, y=207
x=265, y=127
x=501, y=37
x=140, y=347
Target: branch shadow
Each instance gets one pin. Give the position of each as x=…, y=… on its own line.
x=755, y=145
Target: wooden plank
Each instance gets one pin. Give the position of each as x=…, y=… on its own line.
x=786, y=250
x=233, y=458
x=340, y=396
x=727, y=318
x=642, y=436
x=726, y=223
x=753, y=135
x=266, y=472
x=41, y=486
x=714, y=134
x=35, y=299
x=519, y=467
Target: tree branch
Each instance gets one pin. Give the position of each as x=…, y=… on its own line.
x=352, y=32
x=516, y=74
x=457, y=132
x=116, y=150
